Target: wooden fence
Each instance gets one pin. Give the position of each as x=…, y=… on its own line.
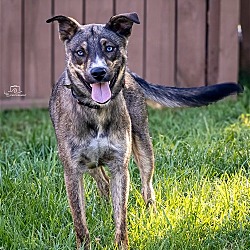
x=178, y=43
x=245, y=43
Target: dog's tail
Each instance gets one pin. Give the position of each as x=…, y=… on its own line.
x=186, y=97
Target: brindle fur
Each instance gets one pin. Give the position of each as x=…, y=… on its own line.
x=91, y=135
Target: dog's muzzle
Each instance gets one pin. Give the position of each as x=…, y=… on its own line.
x=100, y=91
x=98, y=73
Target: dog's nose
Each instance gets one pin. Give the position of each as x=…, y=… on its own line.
x=98, y=73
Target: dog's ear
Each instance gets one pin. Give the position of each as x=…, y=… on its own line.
x=122, y=23
x=67, y=26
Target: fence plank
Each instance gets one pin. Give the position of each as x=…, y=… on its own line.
x=160, y=42
x=73, y=8
x=15, y=103
x=228, y=58
x=98, y=11
x=136, y=43
x=37, y=49
x=245, y=45
x=213, y=42
x=191, y=35
x=11, y=45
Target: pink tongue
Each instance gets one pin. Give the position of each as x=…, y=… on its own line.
x=101, y=92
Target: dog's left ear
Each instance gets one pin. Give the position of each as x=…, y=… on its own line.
x=67, y=26
x=122, y=23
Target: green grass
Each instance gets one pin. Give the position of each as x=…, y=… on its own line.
x=202, y=184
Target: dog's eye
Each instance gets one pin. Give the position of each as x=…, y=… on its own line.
x=109, y=48
x=80, y=52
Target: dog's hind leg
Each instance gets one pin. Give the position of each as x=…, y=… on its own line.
x=141, y=144
x=102, y=181
x=74, y=187
x=144, y=158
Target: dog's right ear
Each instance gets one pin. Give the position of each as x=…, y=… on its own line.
x=67, y=26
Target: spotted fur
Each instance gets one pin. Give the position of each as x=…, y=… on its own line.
x=99, y=113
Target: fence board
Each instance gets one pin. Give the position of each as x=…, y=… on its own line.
x=213, y=42
x=245, y=45
x=136, y=42
x=11, y=45
x=73, y=8
x=228, y=59
x=37, y=49
x=191, y=35
x=98, y=11
x=15, y=103
x=160, y=42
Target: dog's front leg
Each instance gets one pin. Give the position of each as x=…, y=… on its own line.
x=75, y=192
x=119, y=192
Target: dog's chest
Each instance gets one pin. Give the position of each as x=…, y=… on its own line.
x=102, y=137
x=99, y=146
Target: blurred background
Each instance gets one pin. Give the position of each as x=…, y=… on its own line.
x=183, y=43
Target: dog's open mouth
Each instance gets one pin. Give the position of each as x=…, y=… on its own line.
x=100, y=92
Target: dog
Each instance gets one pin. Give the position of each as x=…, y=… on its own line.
x=98, y=110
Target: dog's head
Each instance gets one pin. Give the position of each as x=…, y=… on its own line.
x=96, y=56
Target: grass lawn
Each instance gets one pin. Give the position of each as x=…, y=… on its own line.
x=202, y=184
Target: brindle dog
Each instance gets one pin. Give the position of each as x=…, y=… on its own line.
x=99, y=113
